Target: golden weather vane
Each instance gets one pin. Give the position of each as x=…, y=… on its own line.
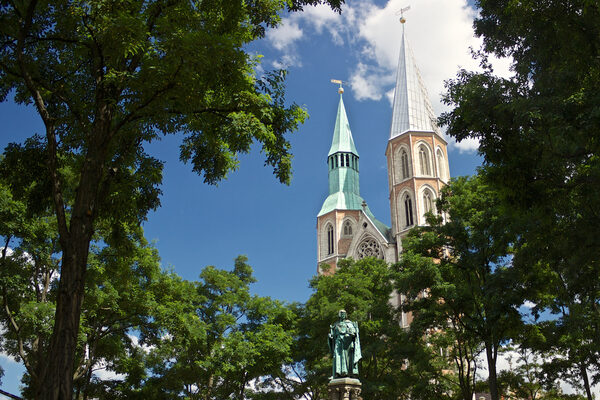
x=401, y=12
x=339, y=82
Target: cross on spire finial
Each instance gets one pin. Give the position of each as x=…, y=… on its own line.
x=401, y=12
x=339, y=82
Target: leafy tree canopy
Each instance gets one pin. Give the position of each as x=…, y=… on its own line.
x=108, y=76
x=363, y=288
x=458, y=280
x=538, y=133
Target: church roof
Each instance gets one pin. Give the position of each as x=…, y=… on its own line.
x=342, y=136
x=412, y=110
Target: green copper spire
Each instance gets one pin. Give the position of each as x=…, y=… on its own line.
x=342, y=162
x=342, y=135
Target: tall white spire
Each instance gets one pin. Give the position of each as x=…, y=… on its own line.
x=412, y=109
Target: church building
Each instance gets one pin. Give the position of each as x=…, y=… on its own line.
x=417, y=168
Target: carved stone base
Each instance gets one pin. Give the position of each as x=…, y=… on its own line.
x=344, y=389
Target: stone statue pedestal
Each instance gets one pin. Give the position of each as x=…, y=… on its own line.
x=344, y=389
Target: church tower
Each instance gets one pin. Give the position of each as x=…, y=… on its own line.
x=417, y=162
x=345, y=225
x=416, y=152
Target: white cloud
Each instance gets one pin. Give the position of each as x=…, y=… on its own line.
x=315, y=19
x=108, y=375
x=467, y=145
x=7, y=359
x=528, y=304
x=319, y=17
x=440, y=33
x=365, y=83
x=286, y=61
x=285, y=35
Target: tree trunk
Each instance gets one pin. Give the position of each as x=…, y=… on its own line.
x=57, y=380
x=493, y=377
x=586, y=381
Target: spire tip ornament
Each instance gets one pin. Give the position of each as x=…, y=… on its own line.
x=338, y=82
x=401, y=12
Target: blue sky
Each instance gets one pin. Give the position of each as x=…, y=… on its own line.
x=251, y=213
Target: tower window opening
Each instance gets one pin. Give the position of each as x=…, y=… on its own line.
x=424, y=160
x=329, y=239
x=347, y=228
x=441, y=165
x=347, y=160
x=427, y=202
x=404, y=161
x=336, y=160
x=408, y=211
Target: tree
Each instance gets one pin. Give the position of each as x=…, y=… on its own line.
x=363, y=288
x=108, y=76
x=209, y=339
x=538, y=133
x=457, y=276
x=162, y=335
x=119, y=284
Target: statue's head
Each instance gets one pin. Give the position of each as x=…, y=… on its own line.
x=342, y=314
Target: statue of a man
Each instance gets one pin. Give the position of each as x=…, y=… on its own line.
x=344, y=345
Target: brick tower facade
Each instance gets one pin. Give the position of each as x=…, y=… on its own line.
x=417, y=162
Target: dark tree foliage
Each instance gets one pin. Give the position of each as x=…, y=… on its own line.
x=458, y=280
x=539, y=136
x=363, y=288
x=108, y=76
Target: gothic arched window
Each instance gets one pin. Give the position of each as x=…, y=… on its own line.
x=347, y=228
x=404, y=161
x=441, y=164
x=427, y=201
x=408, y=211
x=424, y=162
x=330, y=239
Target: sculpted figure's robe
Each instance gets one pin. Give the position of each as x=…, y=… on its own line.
x=344, y=345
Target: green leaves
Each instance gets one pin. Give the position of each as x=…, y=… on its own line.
x=106, y=77
x=460, y=286
x=538, y=132
x=211, y=338
x=364, y=289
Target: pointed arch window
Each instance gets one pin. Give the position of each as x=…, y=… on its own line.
x=424, y=162
x=427, y=201
x=404, y=161
x=330, y=248
x=441, y=164
x=347, y=228
x=408, y=211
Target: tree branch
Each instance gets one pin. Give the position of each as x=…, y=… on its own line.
x=46, y=118
x=11, y=396
x=19, y=339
